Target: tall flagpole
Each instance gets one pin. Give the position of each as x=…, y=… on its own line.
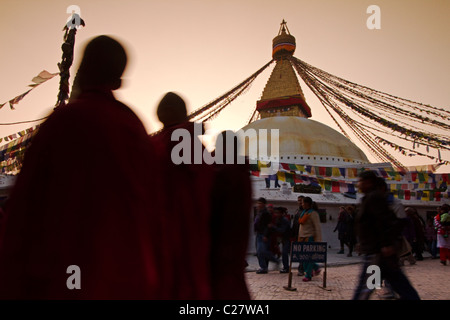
x=67, y=47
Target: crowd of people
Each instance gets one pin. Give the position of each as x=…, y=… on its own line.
x=273, y=228
x=417, y=235
x=379, y=228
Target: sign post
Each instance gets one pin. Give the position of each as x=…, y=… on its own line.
x=289, y=286
x=308, y=252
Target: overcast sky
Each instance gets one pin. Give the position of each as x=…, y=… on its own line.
x=202, y=48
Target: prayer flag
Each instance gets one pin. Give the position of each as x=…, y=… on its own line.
x=336, y=172
x=335, y=186
x=407, y=195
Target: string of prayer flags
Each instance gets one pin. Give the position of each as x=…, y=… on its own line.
x=42, y=77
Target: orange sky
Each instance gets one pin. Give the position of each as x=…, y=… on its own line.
x=202, y=48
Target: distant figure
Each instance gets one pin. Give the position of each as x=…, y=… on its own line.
x=281, y=232
x=274, y=245
x=296, y=227
x=442, y=225
x=230, y=222
x=187, y=199
x=263, y=230
x=310, y=231
x=351, y=238
x=431, y=238
x=418, y=243
x=86, y=196
x=342, y=228
x=379, y=232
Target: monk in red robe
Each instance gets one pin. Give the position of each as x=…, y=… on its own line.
x=206, y=224
x=83, y=217
x=187, y=214
x=230, y=222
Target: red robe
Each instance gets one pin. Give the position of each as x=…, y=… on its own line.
x=232, y=201
x=186, y=221
x=86, y=196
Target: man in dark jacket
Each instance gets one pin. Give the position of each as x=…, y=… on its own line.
x=378, y=231
x=281, y=229
x=262, y=230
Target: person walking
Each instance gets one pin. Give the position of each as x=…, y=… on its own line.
x=431, y=238
x=418, y=242
x=341, y=228
x=443, y=230
x=281, y=231
x=263, y=237
x=295, y=229
x=350, y=239
x=378, y=231
x=310, y=231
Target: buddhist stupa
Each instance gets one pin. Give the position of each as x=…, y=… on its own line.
x=283, y=106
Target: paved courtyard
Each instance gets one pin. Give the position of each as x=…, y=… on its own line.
x=429, y=277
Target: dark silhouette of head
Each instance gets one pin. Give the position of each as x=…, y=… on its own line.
x=101, y=68
x=368, y=181
x=172, y=110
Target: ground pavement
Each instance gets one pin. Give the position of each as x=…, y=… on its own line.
x=429, y=277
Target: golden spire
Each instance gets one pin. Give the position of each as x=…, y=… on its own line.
x=282, y=95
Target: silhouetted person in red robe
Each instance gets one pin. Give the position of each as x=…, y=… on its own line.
x=230, y=222
x=86, y=196
x=187, y=189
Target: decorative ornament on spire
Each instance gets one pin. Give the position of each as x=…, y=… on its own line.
x=283, y=45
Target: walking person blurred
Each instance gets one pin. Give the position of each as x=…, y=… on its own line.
x=418, y=242
x=263, y=237
x=350, y=239
x=274, y=246
x=295, y=229
x=431, y=238
x=409, y=236
x=378, y=231
x=281, y=232
x=404, y=250
x=443, y=230
x=310, y=231
x=341, y=228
